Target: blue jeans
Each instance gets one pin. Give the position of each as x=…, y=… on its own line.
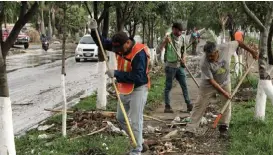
x=134, y=104
x=180, y=76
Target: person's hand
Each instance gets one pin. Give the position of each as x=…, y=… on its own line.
x=110, y=73
x=255, y=55
x=93, y=24
x=167, y=39
x=227, y=95
x=183, y=60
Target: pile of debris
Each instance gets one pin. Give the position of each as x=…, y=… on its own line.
x=193, y=64
x=93, y=122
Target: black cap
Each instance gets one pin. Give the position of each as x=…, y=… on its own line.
x=118, y=40
x=178, y=26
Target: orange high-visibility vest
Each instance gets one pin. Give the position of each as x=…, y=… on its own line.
x=124, y=65
x=238, y=36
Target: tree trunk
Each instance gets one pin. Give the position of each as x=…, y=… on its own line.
x=120, y=20
x=149, y=33
x=105, y=25
x=143, y=32
x=49, y=25
x=53, y=22
x=265, y=87
x=134, y=30
x=5, y=21
x=152, y=33
x=64, y=116
x=224, y=33
x=42, y=17
x=102, y=92
x=7, y=145
x=269, y=46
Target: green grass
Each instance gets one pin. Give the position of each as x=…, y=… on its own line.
x=248, y=135
x=57, y=145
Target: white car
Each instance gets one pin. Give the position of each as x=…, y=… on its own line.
x=86, y=49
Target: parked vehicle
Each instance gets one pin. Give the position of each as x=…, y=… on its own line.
x=22, y=39
x=5, y=34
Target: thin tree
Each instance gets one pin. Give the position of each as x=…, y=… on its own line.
x=265, y=87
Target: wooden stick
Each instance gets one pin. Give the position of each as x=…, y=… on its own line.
x=185, y=65
x=53, y=110
x=232, y=95
x=176, y=124
x=107, y=113
x=156, y=119
x=92, y=133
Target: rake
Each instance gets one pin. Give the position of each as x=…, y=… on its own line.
x=211, y=131
x=116, y=90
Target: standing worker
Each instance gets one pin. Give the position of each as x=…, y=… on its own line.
x=174, y=68
x=132, y=78
x=215, y=76
x=195, y=39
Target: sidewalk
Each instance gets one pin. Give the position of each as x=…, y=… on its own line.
x=177, y=101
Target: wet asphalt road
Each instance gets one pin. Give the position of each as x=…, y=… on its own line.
x=34, y=80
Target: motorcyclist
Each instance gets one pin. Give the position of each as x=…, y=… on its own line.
x=43, y=38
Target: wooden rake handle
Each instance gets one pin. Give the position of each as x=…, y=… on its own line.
x=232, y=95
x=185, y=65
x=117, y=93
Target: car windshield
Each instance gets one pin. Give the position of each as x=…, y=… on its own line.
x=87, y=40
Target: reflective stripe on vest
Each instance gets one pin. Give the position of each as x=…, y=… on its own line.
x=125, y=66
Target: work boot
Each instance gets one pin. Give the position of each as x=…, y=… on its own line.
x=189, y=107
x=223, y=131
x=168, y=109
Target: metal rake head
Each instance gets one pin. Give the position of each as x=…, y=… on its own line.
x=212, y=129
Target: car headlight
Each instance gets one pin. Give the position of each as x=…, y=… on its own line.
x=79, y=49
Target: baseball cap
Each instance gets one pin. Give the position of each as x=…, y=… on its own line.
x=118, y=40
x=178, y=26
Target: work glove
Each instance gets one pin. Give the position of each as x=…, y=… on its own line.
x=93, y=24
x=110, y=73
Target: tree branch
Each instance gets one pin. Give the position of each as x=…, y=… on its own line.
x=130, y=12
x=253, y=16
x=23, y=9
x=105, y=10
x=269, y=17
x=17, y=27
x=95, y=5
x=86, y=5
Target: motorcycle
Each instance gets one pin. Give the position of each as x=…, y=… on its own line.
x=45, y=45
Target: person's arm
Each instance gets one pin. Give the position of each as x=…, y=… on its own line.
x=138, y=72
x=219, y=88
x=162, y=45
x=207, y=75
x=245, y=47
x=107, y=44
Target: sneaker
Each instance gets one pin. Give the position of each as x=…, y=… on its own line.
x=223, y=131
x=145, y=148
x=168, y=109
x=189, y=107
